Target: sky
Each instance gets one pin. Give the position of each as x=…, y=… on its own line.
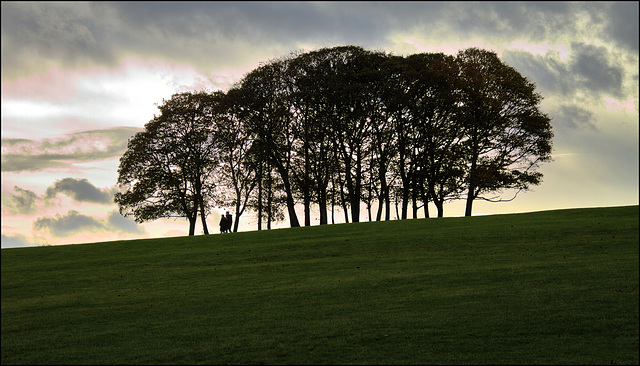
x=80, y=79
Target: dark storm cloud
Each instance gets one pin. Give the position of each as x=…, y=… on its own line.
x=213, y=34
x=75, y=223
x=63, y=32
x=24, y=202
x=224, y=34
x=201, y=33
x=571, y=117
x=548, y=73
x=70, y=224
x=622, y=24
x=272, y=22
x=540, y=21
x=80, y=190
x=590, y=69
x=505, y=21
x=595, y=70
x=29, y=155
x=122, y=224
x=501, y=19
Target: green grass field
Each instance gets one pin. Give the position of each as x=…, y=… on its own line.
x=552, y=287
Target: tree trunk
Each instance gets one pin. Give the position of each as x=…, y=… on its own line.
x=239, y=212
x=439, y=203
x=322, y=204
x=470, y=198
x=387, y=210
x=269, y=203
x=192, y=223
x=293, y=217
x=204, y=220
x=200, y=201
x=291, y=209
x=405, y=202
x=355, y=193
x=471, y=194
x=259, y=196
x=307, y=207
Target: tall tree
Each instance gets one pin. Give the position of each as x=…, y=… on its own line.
x=238, y=154
x=167, y=170
x=314, y=80
x=356, y=72
x=389, y=102
x=271, y=201
x=434, y=96
x=402, y=109
x=269, y=120
x=303, y=128
x=507, y=136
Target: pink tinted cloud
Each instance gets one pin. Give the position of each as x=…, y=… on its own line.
x=56, y=85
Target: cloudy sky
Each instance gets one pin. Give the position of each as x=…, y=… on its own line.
x=79, y=79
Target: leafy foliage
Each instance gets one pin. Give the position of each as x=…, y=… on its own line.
x=338, y=127
x=168, y=169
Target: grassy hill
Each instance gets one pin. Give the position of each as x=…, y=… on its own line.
x=553, y=287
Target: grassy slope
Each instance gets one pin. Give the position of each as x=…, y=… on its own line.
x=554, y=287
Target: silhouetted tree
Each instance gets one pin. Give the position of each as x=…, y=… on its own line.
x=168, y=169
x=341, y=126
x=389, y=102
x=238, y=155
x=355, y=73
x=268, y=119
x=506, y=135
x=433, y=97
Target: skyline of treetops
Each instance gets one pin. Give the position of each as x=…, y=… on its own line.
x=340, y=127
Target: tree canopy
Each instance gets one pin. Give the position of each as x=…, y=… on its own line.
x=337, y=128
x=168, y=170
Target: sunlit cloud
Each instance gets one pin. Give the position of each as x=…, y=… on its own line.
x=33, y=155
x=628, y=106
x=31, y=109
x=560, y=51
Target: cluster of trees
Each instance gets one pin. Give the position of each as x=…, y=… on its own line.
x=339, y=127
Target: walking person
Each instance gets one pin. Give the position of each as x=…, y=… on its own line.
x=223, y=224
x=229, y=222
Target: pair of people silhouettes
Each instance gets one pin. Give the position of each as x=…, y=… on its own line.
x=225, y=223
